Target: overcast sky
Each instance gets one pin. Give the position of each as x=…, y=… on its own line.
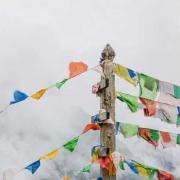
x=38, y=39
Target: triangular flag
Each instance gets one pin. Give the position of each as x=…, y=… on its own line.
x=76, y=68
x=86, y=169
x=50, y=155
x=71, y=145
x=91, y=126
x=33, y=167
x=39, y=94
x=19, y=96
x=61, y=83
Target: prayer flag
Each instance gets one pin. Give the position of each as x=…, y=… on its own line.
x=150, y=107
x=121, y=165
x=148, y=87
x=92, y=126
x=177, y=91
x=86, y=169
x=66, y=178
x=131, y=101
x=126, y=74
x=33, y=167
x=178, y=139
x=128, y=130
x=18, y=97
x=145, y=170
x=71, y=145
x=168, y=139
x=39, y=94
x=61, y=83
x=162, y=175
x=147, y=135
x=132, y=166
x=76, y=68
x=50, y=155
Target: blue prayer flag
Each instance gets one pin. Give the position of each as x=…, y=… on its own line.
x=99, y=178
x=132, y=167
x=33, y=167
x=18, y=96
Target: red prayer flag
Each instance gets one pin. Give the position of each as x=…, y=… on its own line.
x=145, y=134
x=165, y=137
x=150, y=105
x=76, y=68
x=162, y=175
x=91, y=126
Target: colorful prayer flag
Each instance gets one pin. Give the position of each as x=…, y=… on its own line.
x=178, y=139
x=162, y=175
x=18, y=97
x=148, y=87
x=50, y=155
x=132, y=166
x=148, y=135
x=76, y=68
x=39, y=94
x=86, y=169
x=128, y=130
x=33, y=167
x=126, y=74
x=92, y=126
x=66, y=178
x=131, y=101
x=121, y=165
x=61, y=83
x=71, y=145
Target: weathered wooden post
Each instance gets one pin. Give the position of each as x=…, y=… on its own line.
x=107, y=102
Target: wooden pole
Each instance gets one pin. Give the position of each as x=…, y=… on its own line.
x=107, y=102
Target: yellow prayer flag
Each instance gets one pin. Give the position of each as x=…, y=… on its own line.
x=143, y=171
x=122, y=72
x=50, y=155
x=66, y=178
x=39, y=94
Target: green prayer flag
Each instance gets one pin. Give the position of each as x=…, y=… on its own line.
x=178, y=120
x=178, y=139
x=61, y=83
x=121, y=165
x=154, y=135
x=71, y=145
x=177, y=91
x=148, y=86
x=131, y=101
x=128, y=130
x=86, y=169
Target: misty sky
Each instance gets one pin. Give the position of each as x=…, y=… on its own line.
x=38, y=39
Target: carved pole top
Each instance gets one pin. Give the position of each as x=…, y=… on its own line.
x=108, y=53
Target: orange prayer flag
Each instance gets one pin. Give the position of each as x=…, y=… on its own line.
x=91, y=126
x=39, y=94
x=76, y=68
